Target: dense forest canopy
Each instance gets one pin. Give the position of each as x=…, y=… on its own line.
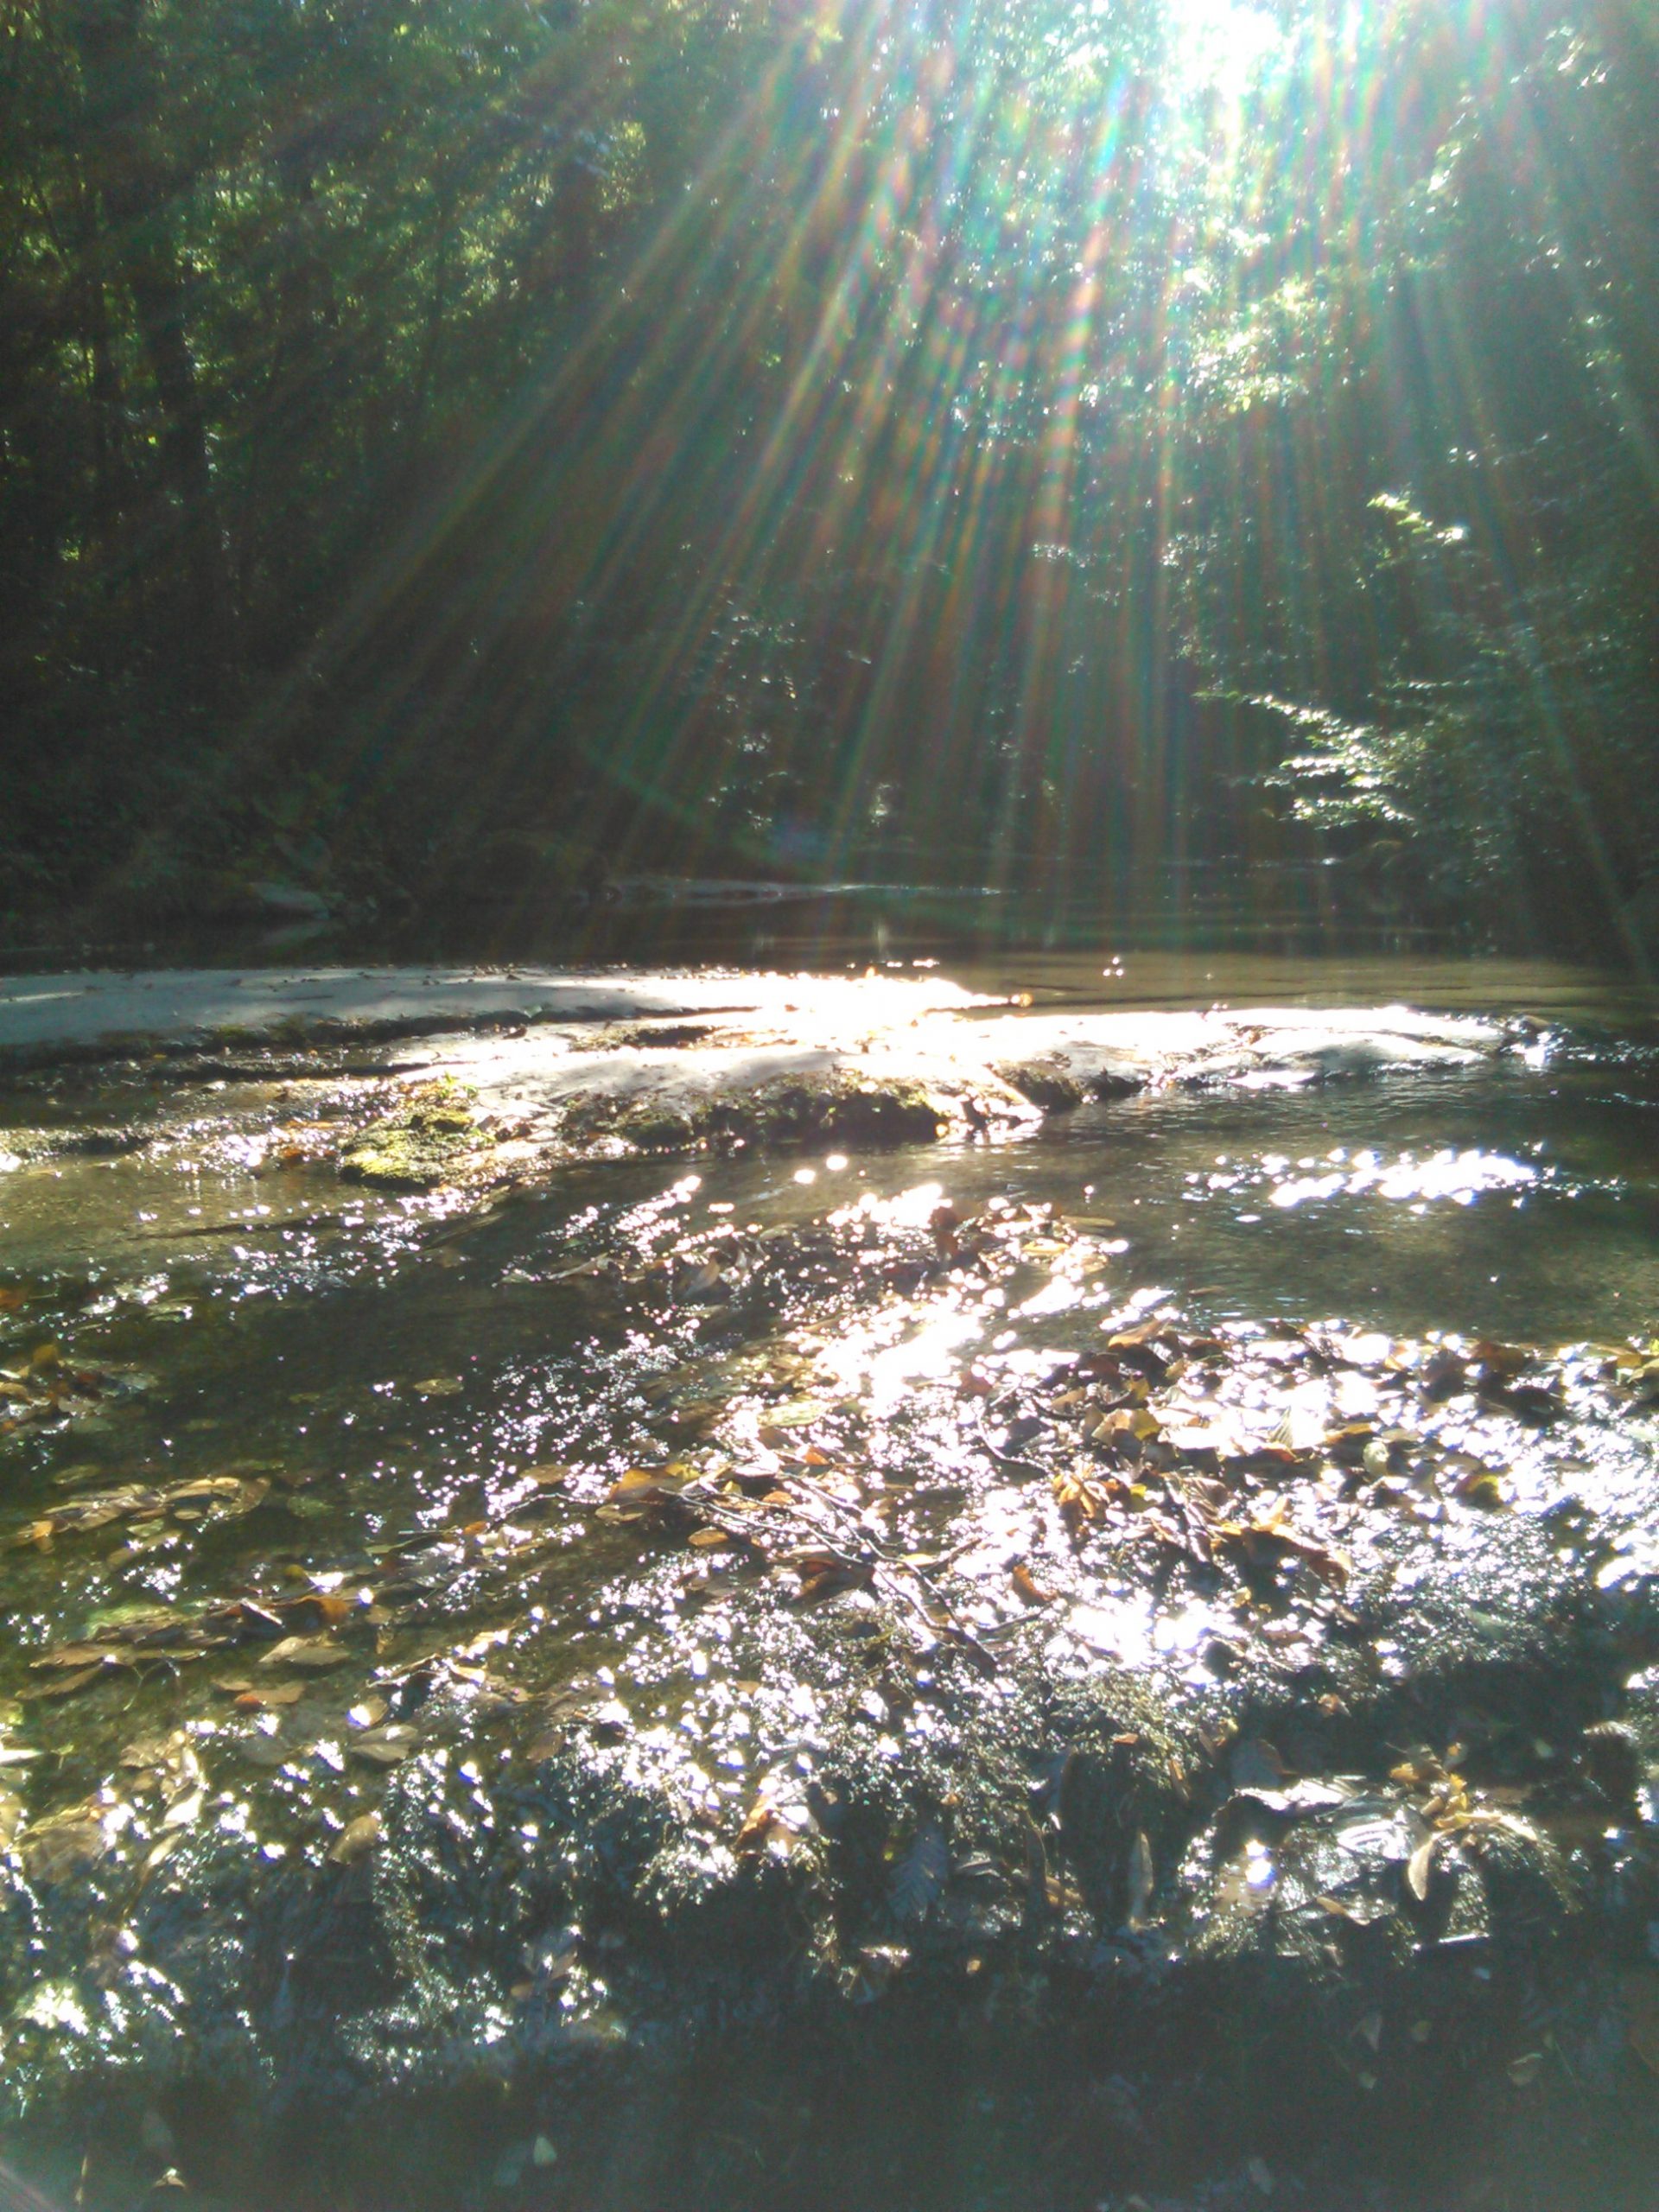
x=1006, y=440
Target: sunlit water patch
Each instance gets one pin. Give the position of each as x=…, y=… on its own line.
x=721, y=1476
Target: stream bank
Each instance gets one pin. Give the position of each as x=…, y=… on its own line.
x=715, y=1661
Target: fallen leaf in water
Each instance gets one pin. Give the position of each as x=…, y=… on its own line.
x=823, y=1573
x=67, y=1843
x=208, y=1498
x=1080, y=1497
x=1268, y=1543
x=383, y=1746
x=553, y=1717
x=647, y=1494
x=314, y=1654
x=1420, y=1867
x=1028, y=1588
x=184, y=1812
x=1480, y=1486
x=355, y=1840
x=67, y=1684
x=800, y=1412
x=253, y=1700
x=160, y=1850
x=919, y=1876
x=765, y=1829
x=437, y=1386
x=1499, y=1361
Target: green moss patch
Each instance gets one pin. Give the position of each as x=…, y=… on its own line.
x=423, y=1145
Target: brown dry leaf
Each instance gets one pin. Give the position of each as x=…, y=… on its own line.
x=824, y=1574
x=1027, y=1586
x=259, y=1700
x=1267, y=1543
x=355, y=1840
x=708, y=1540
x=1080, y=1497
x=646, y=1494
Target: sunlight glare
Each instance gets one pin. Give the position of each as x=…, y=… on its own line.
x=1219, y=44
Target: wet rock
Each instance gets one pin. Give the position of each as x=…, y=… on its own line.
x=834, y=1105
x=1045, y=1084
x=425, y=1143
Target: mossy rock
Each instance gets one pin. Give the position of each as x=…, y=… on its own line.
x=841, y=1108
x=657, y=1128
x=419, y=1146
x=847, y=1110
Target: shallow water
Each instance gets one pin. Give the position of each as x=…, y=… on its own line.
x=397, y=1372
x=390, y=1373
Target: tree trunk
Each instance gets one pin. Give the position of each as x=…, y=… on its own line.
x=136, y=192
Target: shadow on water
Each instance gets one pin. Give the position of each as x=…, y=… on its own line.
x=1275, y=936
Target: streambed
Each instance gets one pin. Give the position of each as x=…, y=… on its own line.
x=1134, y=1607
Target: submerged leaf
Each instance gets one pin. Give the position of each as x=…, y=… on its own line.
x=355, y=1840
x=314, y=1654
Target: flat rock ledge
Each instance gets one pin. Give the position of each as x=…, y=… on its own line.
x=826, y=1078
x=515, y=1071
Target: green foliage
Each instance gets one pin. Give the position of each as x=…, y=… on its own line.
x=811, y=436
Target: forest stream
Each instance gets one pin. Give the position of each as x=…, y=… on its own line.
x=932, y=1589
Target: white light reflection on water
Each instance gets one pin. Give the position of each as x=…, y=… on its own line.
x=1132, y=1631
x=1449, y=1176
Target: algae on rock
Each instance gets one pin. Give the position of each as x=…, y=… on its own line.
x=425, y=1143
